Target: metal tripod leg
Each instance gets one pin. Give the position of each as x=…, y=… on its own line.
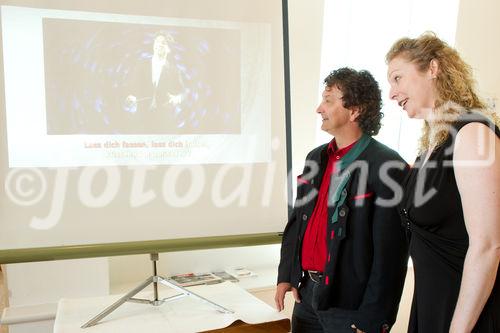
x=116, y=304
x=155, y=279
x=187, y=292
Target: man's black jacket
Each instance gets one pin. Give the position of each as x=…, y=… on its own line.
x=369, y=251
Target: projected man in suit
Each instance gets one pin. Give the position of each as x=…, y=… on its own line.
x=344, y=251
x=157, y=89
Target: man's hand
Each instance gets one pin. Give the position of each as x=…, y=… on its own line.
x=281, y=289
x=174, y=99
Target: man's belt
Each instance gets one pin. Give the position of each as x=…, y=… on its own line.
x=315, y=276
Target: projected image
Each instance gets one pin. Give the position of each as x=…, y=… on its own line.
x=112, y=89
x=123, y=78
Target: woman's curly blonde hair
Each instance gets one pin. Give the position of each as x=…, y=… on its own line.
x=454, y=84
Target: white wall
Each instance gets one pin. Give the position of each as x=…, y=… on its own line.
x=477, y=40
x=306, y=25
x=46, y=282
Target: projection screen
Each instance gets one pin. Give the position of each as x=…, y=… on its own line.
x=154, y=121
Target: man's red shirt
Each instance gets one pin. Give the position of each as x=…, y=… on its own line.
x=314, y=251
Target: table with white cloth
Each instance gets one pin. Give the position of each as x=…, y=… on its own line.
x=187, y=314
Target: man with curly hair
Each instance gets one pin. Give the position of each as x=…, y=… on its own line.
x=344, y=252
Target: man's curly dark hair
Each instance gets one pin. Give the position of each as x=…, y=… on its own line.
x=359, y=89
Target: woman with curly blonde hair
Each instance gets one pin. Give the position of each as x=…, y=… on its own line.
x=451, y=202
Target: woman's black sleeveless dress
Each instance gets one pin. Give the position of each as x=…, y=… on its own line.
x=431, y=210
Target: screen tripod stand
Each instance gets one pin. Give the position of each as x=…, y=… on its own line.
x=154, y=279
